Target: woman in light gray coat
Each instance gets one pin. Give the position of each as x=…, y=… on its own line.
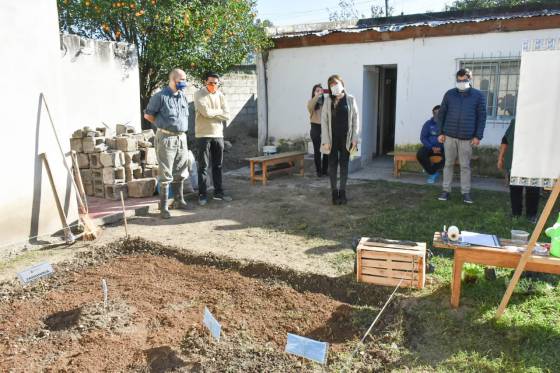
x=339, y=134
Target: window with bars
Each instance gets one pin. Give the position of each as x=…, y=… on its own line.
x=499, y=81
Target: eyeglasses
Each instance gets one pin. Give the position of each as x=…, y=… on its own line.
x=212, y=83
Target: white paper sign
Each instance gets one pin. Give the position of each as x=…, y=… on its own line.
x=34, y=273
x=212, y=324
x=307, y=348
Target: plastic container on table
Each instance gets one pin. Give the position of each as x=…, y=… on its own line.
x=519, y=236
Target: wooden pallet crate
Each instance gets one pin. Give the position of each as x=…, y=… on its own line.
x=386, y=263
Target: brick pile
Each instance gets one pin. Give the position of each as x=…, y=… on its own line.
x=108, y=165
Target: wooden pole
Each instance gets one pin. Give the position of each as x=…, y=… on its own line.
x=67, y=232
x=82, y=201
x=124, y=215
x=530, y=246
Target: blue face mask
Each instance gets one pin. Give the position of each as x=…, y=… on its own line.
x=180, y=85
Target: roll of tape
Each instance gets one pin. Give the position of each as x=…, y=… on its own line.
x=453, y=233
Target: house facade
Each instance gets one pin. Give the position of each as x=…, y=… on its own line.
x=398, y=69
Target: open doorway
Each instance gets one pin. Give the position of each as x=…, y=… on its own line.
x=379, y=110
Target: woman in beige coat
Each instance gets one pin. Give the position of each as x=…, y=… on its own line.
x=339, y=134
x=314, y=107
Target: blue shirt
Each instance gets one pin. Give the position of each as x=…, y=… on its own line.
x=171, y=110
x=429, y=134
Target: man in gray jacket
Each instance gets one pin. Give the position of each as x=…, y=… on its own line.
x=461, y=120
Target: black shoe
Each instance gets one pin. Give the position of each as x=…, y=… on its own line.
x=444, y=196
x=490, y=274
x=532, y=219
x=342, y=197
x=335, y=197
x=222, y=197
x=202, y=200
x=467, y=198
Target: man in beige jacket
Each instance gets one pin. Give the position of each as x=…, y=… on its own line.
x=211, y=113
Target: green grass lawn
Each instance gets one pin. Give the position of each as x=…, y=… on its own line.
x=525, y=339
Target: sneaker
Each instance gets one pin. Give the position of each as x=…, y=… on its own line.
x=202, y=200
x=444, y=196
x=467, y=198
x=532, y=219
x=222, y=197
x=432, y=178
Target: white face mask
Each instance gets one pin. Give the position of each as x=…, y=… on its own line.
x=463, y=85
x=337, y=89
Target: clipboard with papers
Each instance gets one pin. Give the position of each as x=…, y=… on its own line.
x=480, y=239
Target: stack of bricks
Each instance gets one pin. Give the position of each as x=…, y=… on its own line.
x=110, y=165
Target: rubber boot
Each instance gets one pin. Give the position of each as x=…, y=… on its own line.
x=163, y=200
x=342, y=197
x=335, y=197
x=178, y=199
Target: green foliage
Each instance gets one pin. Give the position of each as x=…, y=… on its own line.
x=477, y=4
x=195, y=35
x=347, y=10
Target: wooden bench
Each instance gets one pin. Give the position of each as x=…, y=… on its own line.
x=400, y=158
x=265, y=161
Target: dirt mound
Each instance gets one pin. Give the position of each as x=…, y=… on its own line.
x=153, y=322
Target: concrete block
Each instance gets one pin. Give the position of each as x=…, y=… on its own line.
x=137, y=173
x=148, y=156
x=130, y=157
x=113, y=191
x=92, y=144
x=142, y=187
x=102, y=131
x=138, y=136
x=144, y=144
x=94, y=161
x=78, y=134
x=151, y=171
x=149, y=135
x=98, y=188
x=127, y=144
x=129, y=171
x=88, y=188
x=112, y=159
x=113, y=175
x=86, y=175
x=93, y=133
x=83, y=160
x=76, y=145
x=123, y=128
x=111, y=143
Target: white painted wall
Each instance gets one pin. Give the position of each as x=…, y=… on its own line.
x=100, y=84
x=426, y=69
x=80, y=92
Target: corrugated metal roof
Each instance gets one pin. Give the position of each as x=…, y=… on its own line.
x=395, y=24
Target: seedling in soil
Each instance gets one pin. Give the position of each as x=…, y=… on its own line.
x=105, y=293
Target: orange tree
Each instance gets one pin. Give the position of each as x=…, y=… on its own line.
x=196, y=35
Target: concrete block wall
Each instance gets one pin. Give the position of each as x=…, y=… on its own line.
x=240, y=88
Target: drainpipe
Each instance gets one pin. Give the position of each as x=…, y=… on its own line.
x=262, y=99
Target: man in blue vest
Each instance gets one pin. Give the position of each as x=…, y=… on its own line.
x=461, y=119
x=431, y=147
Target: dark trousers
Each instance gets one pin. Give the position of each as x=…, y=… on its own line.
x=423, y=157
x=532, y=197
x=321, y=166
x=340, y=156
x=210, y=149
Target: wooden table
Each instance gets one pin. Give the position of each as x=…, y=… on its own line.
x=269, y=160
x=491, y=257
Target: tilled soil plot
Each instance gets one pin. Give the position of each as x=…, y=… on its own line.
x=153, y=320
